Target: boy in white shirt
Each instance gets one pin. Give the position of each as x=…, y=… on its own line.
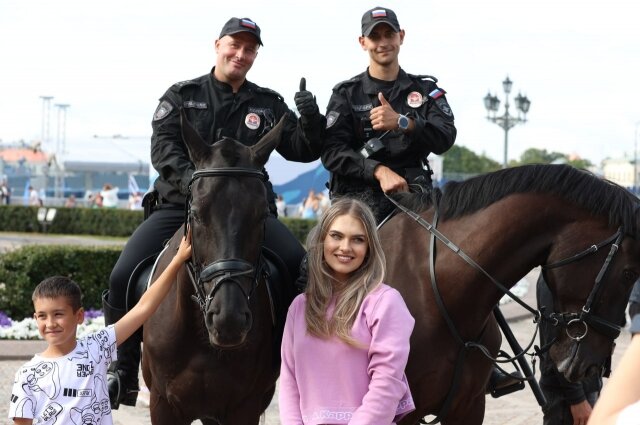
x=66, y=383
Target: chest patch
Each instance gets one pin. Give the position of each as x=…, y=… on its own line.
x=362, y=108
x=252, y=121
x=194, y=105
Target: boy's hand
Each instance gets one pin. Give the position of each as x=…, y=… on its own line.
x=184, y=250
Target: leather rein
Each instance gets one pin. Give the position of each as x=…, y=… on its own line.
x=585, y=317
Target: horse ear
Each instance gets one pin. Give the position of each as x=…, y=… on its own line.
x=198, y=148
x=260, y=151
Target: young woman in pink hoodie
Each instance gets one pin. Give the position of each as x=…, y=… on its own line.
x=346, y=339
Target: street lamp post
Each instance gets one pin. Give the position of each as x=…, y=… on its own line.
x=506, y=121
x=635, y=159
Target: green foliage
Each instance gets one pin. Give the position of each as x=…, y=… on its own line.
x=299, y=227
x=83, y=221
x=21, y=270
x=460, y=159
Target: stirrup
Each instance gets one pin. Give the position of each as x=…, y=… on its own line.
x=117, y=393
x=506, y=384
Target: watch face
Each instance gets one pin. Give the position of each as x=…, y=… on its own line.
x=403, y=122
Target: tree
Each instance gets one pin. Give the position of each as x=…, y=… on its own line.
x=460, y=159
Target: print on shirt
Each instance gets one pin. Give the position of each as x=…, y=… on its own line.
x=92, y=413
x=44, y=378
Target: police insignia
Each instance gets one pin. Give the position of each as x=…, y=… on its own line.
x=162, y=110
x=332, y=117
x=444, y=106
x=414, y=99
x=252, y=121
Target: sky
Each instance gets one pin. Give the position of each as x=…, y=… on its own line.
x=578, y=61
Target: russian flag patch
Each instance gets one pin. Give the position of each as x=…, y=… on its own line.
x=436, y=93
x=247, y=23
x=379, y=13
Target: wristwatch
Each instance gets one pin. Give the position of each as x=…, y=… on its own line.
x=403, y=122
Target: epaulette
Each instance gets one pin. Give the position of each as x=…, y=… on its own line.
x=424, y=77
x=180, y=85
x=346, y=82
x=269, y=92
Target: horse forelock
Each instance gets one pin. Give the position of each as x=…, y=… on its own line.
x=599, y=196
x=228, y=152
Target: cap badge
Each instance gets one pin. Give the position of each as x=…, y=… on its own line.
x=379, y=13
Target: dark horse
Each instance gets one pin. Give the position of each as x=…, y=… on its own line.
x=216, y=359
x=582, y=230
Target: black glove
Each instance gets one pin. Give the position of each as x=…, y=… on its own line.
x=305, y=100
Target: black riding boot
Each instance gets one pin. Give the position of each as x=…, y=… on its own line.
x=122, y=377
x=300, y=285
x=501, y=383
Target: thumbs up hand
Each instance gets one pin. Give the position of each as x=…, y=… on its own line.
x=383, y=117
x=305, y=100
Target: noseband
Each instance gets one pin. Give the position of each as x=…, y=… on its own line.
x=577, y=324
x=224, y=270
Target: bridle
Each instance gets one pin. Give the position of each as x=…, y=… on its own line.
x=586, y=317
x=226, y=269
x=565, y=319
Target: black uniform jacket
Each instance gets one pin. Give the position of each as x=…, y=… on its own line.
x=349, y=127
x=215, y=112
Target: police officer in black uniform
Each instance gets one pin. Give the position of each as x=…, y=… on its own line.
x=382, y=124
x=219, y=104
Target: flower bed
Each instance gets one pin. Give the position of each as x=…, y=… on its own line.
x=27, y=328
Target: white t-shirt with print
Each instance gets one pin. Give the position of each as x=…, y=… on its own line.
x=71, y=389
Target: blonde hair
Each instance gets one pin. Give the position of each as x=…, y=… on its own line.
x=321, y=288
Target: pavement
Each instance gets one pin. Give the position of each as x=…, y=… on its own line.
x=514, y=409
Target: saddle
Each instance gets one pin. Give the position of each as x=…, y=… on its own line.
x=279, y=286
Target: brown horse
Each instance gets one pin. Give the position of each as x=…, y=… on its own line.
x=493, y=230
x=217, y=359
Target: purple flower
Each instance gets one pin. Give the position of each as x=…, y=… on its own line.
x=92, y=314
x=4, y=319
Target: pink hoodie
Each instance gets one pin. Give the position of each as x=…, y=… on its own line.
x=325, y=381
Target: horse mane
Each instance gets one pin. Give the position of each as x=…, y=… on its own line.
x=599, y=196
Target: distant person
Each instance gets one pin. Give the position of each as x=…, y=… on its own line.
x=620, y=400
x=281, y=206
x=66, y=383
x=309, y=206
x=383, y=123
x=323, y=203
x=98, y=201
x=109, y=195
x=5, y=193
x=346, y=339
x=70, y=202
x=221, y=103
x=135, y=201
x=34, y=197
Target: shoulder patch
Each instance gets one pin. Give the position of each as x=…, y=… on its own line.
x=162, y=110
x=332, y=117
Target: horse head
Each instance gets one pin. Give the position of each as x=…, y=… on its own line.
x=591, y=294
x=227, y=210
